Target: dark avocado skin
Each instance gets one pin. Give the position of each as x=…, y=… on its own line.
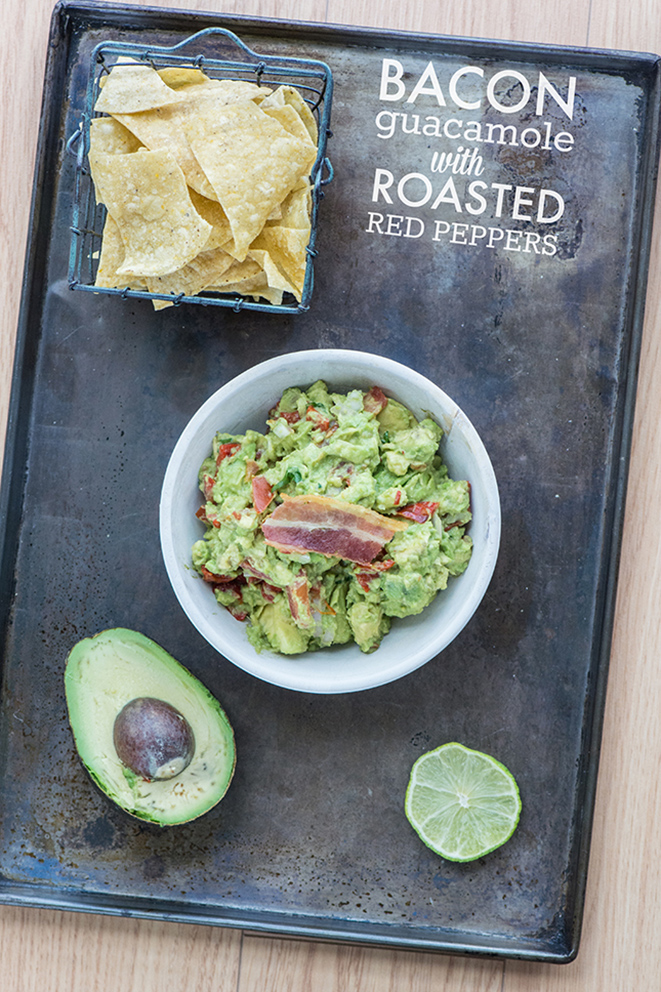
x=106, y=672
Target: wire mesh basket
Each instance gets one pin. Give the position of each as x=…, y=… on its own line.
x=221, y=55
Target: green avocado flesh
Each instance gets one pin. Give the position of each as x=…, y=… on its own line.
x=104, y=673
x=361, y=448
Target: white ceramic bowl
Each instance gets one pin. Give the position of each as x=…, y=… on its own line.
x=244, y=403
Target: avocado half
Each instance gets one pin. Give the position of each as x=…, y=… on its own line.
x=105, y=672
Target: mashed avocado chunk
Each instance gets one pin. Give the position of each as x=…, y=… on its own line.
x=266, y=494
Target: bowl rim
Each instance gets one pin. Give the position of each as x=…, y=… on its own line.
x=269, y=666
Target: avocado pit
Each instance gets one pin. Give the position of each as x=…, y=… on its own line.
x=153, y=739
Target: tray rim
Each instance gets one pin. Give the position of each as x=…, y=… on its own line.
x=557, y=949
x=453, y=43
x=283, y=924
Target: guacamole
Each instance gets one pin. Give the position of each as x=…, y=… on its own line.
x=338, y=519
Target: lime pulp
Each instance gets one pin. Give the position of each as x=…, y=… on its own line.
x=462, y=803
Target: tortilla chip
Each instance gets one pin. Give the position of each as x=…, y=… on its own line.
x=178, y=77
x=237, y=272
x=275, y=278
x=110, y=259
x=110, y=137
x=203, y=189
x=231, y=91
x=295, y=209
x=251, y=162
x=160, y=130
x=290, y=96
x=286, y=248
x=213, y=213
x=146, y=194
x=290, y=120
x=248, y=279
x=193, y=278
x=255, y=286
x=132, y=88
x=206, y=100
x=163, y=127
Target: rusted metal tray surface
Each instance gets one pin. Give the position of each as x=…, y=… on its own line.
x=489, y=225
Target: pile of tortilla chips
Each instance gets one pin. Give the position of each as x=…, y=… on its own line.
x=205, y=183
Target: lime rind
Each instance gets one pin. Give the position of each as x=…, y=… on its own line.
x=462, y=803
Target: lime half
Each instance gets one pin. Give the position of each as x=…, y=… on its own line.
x=462, y=803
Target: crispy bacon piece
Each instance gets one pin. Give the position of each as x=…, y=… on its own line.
x=214, y=579
x=232, y=585
x=366, y=573
x=329, y=526
x=374, y=400
x=291, y=416
x=237, y=611
x=207, y=518
x=252, y=468
x=253, y=572
x=268, y=591
x=262, y=494
x=298, y=595
x=420, y=512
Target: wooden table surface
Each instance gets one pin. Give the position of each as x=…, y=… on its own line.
x=620, y=951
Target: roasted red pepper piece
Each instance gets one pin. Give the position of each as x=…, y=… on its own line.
x=226, y=450
x=318, y=418
x=207, y=485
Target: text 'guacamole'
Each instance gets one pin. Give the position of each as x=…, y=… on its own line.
x=339, y=518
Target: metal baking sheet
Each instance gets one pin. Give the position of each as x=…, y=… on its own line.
x=531, y=323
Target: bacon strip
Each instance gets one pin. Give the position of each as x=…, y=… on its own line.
x=329, y=526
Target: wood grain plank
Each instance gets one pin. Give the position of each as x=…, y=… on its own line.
x=620, y=947
x=563, y=22
x=58, y=951
x=295, y=10
x=22, y=60
x=306, y=966
x=634, y=27
x=69, y=952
